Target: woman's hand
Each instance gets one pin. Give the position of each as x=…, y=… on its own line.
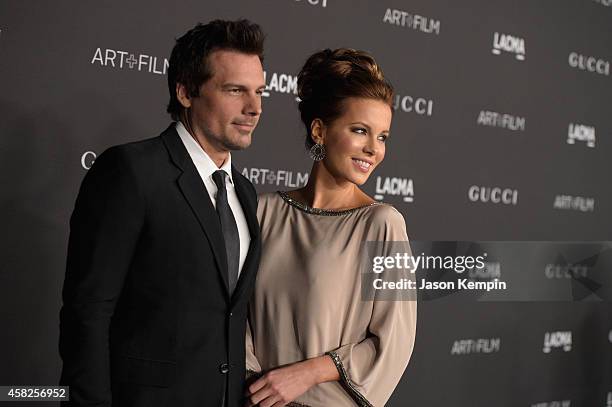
x=284, y=384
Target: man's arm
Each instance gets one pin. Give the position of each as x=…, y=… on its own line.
x=104, y=230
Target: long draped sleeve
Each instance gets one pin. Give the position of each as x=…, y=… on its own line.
x=370, y=369
x=252, y=364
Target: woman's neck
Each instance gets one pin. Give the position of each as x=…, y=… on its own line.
x=323, y=191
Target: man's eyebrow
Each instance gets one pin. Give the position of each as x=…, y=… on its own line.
x=233, y=85
x=243, y=87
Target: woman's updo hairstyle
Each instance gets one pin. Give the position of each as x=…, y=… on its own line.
x=331, y=76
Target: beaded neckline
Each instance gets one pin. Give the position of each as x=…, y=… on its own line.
x=318, y=211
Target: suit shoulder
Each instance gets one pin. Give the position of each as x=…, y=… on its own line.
x=128, y=159
x=138, y=156
x=136, y=149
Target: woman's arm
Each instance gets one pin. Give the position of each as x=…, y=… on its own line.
x=285, y=384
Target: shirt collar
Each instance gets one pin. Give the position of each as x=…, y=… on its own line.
x=204, y=164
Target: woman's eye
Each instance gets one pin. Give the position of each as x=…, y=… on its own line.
x=360, y=130
x=383, y=137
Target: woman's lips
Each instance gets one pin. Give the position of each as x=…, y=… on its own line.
x=363, y=166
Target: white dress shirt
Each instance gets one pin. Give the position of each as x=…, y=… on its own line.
x=206, y=167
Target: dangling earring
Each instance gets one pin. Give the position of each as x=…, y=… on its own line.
x=317, y=152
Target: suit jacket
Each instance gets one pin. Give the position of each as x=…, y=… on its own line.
x=147, y=319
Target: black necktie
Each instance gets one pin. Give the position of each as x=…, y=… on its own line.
x=229, y=228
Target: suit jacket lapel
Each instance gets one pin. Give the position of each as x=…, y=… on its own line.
x=248, y=201
x=195, y=193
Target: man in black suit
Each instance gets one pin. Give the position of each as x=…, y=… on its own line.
x=164, y=242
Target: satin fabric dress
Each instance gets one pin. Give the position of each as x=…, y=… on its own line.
x=307, y=301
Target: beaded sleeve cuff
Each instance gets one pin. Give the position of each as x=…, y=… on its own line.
x=347, y=383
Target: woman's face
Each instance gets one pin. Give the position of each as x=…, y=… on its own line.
x=355, y=142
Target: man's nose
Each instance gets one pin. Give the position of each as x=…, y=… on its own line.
x=252, y=106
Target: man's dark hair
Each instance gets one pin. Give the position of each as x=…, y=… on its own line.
x=189, y=63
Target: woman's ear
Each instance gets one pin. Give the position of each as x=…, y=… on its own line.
x=317, y=131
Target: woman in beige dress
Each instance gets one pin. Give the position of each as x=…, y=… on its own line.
x=311, y=339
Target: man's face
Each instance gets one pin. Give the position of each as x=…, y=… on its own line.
x=228, y=107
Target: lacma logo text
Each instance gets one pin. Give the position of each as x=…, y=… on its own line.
x=558, y=339
x=510, y=44
x=394, y=186
x=581, y=132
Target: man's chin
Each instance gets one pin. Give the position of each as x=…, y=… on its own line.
x=239, y=143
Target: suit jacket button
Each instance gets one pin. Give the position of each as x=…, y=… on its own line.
x=224, y=368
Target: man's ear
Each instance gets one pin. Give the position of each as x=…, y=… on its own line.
x=317, y=131
x=183, y=96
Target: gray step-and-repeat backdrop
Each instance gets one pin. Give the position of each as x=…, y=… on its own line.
x=502, y=132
